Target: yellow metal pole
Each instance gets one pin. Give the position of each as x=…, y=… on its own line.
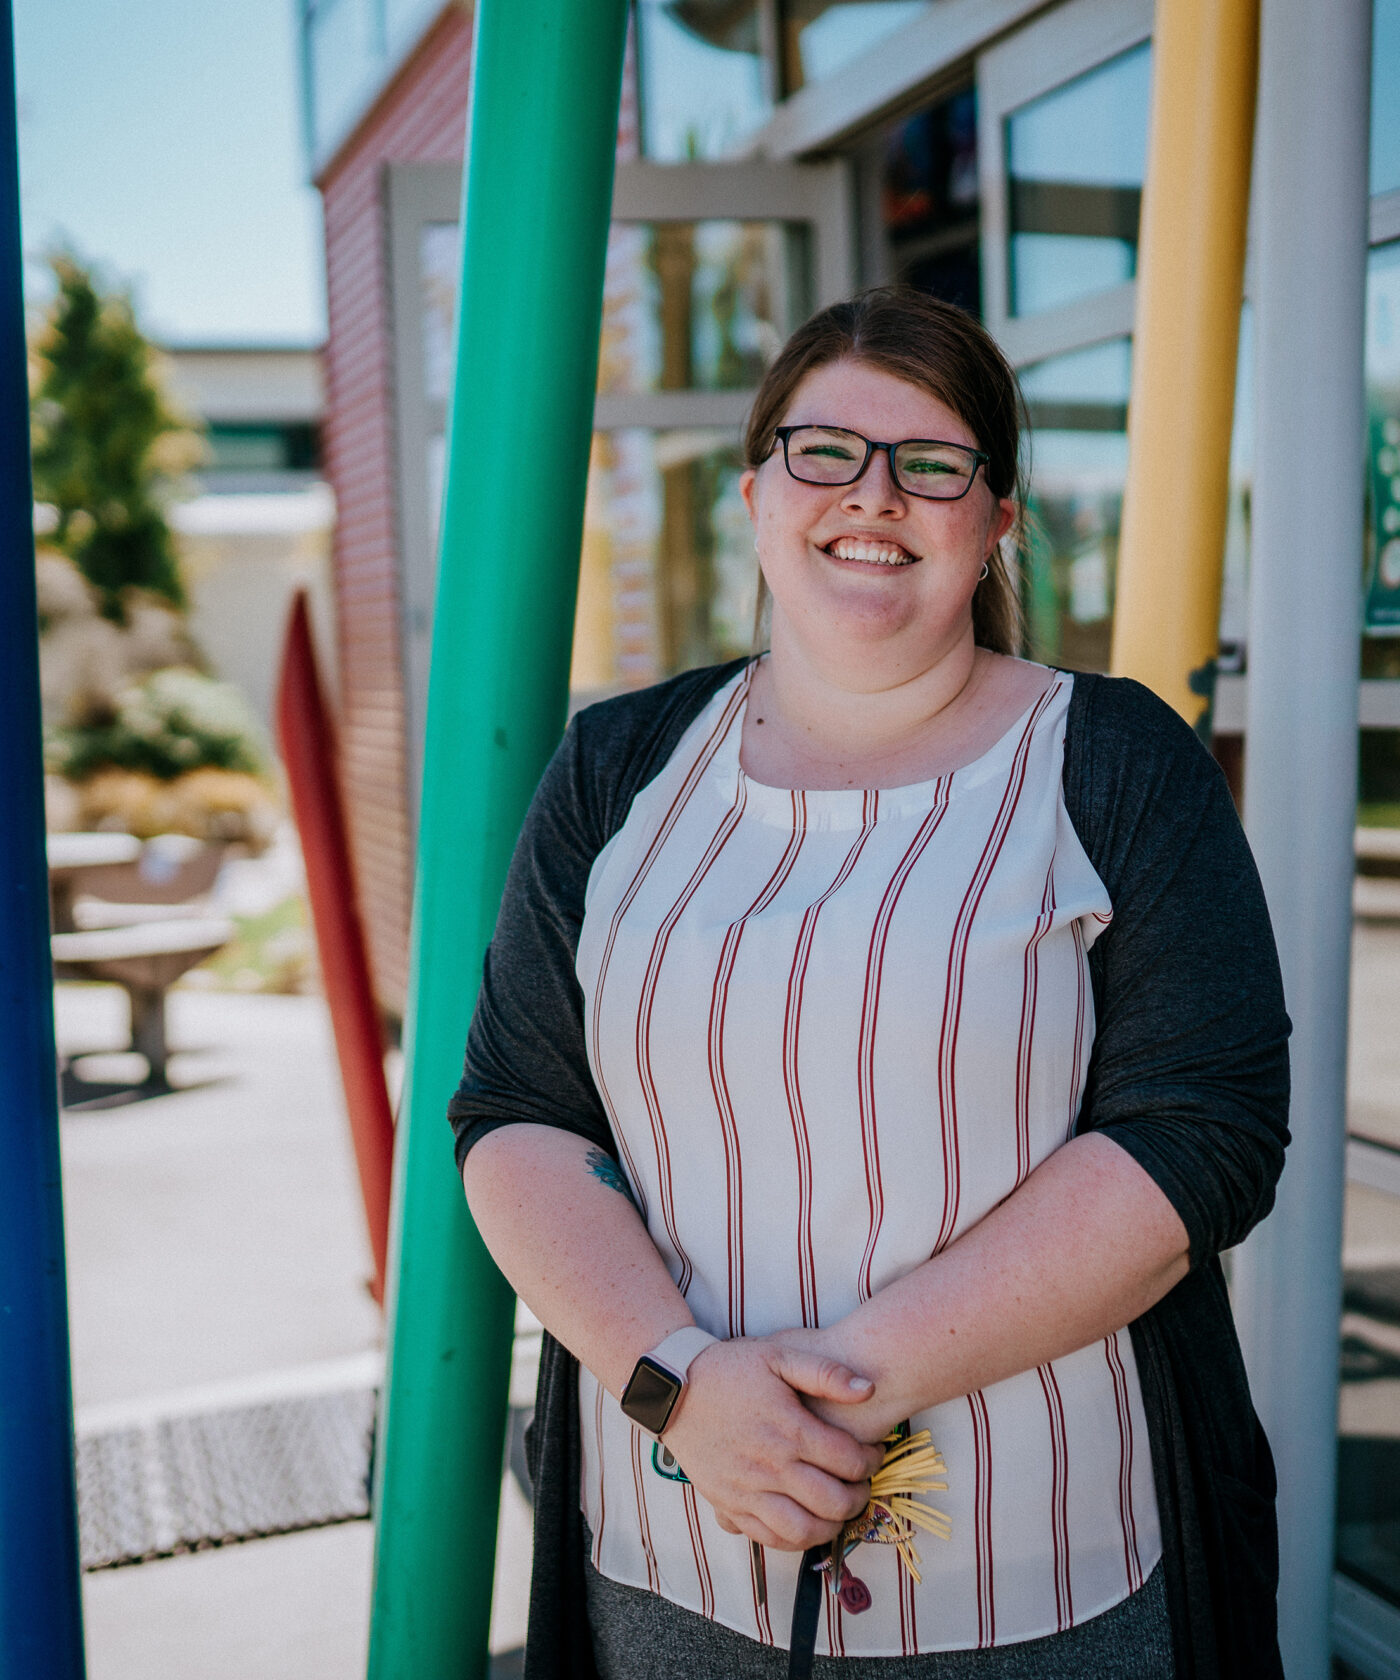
x=1190, y=283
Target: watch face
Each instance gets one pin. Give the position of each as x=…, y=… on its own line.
x=650, y=1395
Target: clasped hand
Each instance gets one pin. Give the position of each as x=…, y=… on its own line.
x=768, y=1465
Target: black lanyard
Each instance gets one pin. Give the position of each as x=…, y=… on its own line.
x=806, y=1612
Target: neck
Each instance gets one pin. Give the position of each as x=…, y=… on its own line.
x=836, y=709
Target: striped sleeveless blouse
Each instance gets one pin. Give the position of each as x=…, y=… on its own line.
x=832, y=1030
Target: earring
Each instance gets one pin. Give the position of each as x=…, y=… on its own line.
x=986, y=569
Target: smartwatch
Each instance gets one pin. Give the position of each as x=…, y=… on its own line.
x=658, y=1378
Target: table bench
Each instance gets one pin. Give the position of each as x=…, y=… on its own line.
x=145, y=959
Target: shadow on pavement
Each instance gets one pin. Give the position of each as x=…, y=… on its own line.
x=79, y=1095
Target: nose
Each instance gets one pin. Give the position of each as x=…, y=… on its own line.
x=875, y=491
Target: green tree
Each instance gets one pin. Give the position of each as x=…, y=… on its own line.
x=108, y=447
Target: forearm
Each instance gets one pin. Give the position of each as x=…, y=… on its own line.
x=551, y=1210
x=1087, y=1244
x=573, y=1246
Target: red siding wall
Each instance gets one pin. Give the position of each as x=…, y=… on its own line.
x=420, y=117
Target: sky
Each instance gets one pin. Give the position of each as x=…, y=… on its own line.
x=161, y=140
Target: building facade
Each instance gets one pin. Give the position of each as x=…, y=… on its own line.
x=774, y=155
x=259, y=526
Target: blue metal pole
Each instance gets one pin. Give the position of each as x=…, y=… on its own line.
x=41, y=1627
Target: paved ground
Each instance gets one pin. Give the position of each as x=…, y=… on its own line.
x=216, y=1258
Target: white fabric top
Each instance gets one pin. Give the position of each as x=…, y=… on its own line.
x=832, y=1031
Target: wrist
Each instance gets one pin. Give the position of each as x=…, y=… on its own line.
x=660, y=1377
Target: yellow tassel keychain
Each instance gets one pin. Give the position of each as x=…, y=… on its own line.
x=912, y=1466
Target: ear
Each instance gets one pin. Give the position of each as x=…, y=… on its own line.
x=747, y=480
x=1003, y=520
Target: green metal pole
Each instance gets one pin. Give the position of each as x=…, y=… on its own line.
x=546, y=79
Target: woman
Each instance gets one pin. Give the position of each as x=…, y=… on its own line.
x=885, y=1030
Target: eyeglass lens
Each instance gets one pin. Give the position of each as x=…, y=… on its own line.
x=830, y=455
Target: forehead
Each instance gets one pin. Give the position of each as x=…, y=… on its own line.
x=868, y=400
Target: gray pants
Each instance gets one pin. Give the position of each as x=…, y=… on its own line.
x=639, y=1636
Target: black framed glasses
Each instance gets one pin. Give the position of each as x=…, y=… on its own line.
x=927, y=467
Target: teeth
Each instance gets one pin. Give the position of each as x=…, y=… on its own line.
x=872, y=553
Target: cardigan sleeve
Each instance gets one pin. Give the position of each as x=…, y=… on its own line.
x=1189, y=1072
x=526, y=1059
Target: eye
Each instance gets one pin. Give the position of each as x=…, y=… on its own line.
x=934, y=460
x=828, y=451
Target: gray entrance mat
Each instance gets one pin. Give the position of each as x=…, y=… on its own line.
x=181, y=1484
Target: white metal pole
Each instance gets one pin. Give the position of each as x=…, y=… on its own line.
x=1301, y=735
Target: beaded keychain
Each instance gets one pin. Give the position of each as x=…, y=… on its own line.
x=894, y=1515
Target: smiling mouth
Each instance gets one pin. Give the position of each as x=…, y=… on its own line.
x=869, y=552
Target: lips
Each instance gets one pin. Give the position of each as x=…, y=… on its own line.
x=870, y=551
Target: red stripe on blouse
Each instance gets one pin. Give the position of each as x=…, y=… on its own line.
x=1131, y=1559
x=643, y=1521
x=1059, y=1496
x=692, y=779
x=982, y=1520
x=602, y=1482
x=957, y=965
x=697, y=1545
x=869, y=1021
x=719, y=1084
x=650, y=1096
x=792, y=1080
x=1025, y=1043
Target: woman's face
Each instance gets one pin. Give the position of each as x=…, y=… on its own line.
x=865, y=564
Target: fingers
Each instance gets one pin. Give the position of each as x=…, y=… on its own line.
x=753, y=1529
x=834, y=1451
x=827, y=1498
x=791, y=1527
x=819, y=1376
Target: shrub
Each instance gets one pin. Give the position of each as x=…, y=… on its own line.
x=172, y=722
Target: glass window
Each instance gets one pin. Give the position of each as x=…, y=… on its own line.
x=1078, y=409
x=702, y=76
x=1368, y=1480
x=929, y=200
x=1385, y=109
x=440, y=263
x=1076, y=158
x=1077, y=405
x=439, y=267
x=819, y=36
x=1383, y=441
x=669, y=579
x=260, y=448
x=696, y=305
x=1368, y=1461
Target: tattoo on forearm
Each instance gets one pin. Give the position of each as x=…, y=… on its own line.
x=607, y=1171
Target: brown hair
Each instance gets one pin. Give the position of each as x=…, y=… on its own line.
x=944, y=351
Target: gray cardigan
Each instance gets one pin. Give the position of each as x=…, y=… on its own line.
x=1189, y=1074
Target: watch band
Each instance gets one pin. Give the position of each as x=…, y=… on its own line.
x=682, y=1348
x=658, y=1379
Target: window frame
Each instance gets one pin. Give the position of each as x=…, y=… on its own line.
x=1066, y=42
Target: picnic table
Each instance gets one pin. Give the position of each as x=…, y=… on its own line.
x=143, y=937
x=73, y=859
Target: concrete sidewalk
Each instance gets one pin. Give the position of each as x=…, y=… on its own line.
x=216, y=1259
